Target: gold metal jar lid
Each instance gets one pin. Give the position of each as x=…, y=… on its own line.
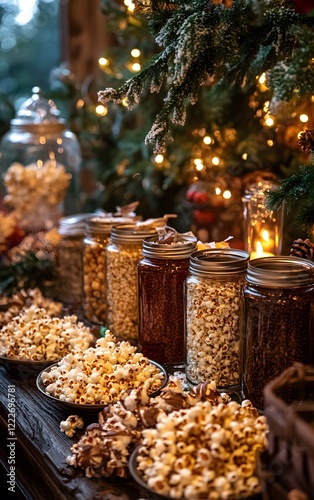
x=180, y=248
x=218, y=262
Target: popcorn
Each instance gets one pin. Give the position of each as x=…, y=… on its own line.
x=102, y=374
x=70, y=425
x=31, y=298
x=205, y=463
x=104, y=449
x=34, y=335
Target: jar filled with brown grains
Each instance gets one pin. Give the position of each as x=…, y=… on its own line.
x=96, y=239
x=277, y=321
x=212, y=307
x=69, y=258
x=161, y=275
x=122, y=256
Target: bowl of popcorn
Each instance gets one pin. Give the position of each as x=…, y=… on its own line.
x=99, y=376
x=200, y=452
x=33, y=340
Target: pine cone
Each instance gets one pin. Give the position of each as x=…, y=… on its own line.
x=306, y=141
x=302, y=248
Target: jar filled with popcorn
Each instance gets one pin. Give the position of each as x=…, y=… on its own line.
x=212, y=325
x=69, y=258
x=40, y=162
x=96, y=239
x=161, y=275
x=122, y=257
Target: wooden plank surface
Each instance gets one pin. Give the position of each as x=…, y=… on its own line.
x=41, y=449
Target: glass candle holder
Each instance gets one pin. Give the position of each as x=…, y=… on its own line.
x=262, y=227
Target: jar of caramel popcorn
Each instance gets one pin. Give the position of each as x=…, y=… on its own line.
x=96, y=239
x=40, y=164
x=122, y=256
x=212, y=307
x=69, y=258
x=161, y=275
x=277, y=321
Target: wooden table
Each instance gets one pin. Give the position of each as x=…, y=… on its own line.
x=38, y=449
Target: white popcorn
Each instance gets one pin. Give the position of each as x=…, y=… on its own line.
x=70, y=425
x=89, y=377
x=34, y=335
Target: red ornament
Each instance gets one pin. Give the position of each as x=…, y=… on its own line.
x=201, y=199
x=203, y=218
x=303, y=7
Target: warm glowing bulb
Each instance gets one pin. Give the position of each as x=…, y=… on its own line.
x=199, y=167
x=135, y=53
x=102, y=61
x=244, y=156
x=101, y=110
x=217, y=191
x=129, y=4
x=270, y=142
x=159, y=158
x=124, y=101
x=197, y=161
x=304, y=118
x=207, y=140
x=215, y=160
x=136, y=66
x=226, y=194
x=42, y=139
x=262, y=79
x=265, y=235
x=269, y=122
x=80, y=103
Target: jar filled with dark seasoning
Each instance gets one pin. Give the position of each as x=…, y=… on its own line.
x=277, y=321
x=161, y=276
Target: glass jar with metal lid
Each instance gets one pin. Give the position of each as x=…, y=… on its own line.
x=277, y=320
x=96, y=239
x=69, y=258
x=161, y=275
x=212, y=307
x=122, y=256
x=40, y=162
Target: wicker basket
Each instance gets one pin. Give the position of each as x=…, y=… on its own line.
x=289, y=409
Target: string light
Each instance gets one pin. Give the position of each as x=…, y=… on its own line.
x=270, y=143
x=269, y=121
x=136, y=66
x=215, y=160
x=129, y=5
x=244, y=156
x=304, y=118
x=103, y=61
x=135, y=53
x=101, y=110
x=124, y=102
x=207, y=140
x=217, y=191
x=226, y=194
x=79, y=103
x=159, y=158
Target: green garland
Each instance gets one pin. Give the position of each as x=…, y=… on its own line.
x=207, y=44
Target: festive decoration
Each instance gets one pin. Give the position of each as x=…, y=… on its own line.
x=302, y=248
x=204, y=42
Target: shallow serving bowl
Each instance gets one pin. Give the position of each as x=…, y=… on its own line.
x=25, y=367
x=77, y=407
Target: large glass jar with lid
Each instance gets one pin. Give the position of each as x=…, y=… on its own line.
x=161, y=275
x=96, y=239
x=70, y=259
x=122, y=256
x=212, y=307
x=277, y=321
x=40, y=164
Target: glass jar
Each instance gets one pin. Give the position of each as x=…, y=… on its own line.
x=161, y=276
x=122, y=256
x=262, y=227
x=40, y=162
x=277, y=321
x=69, y=259
x=212, y=327
x=96, y=239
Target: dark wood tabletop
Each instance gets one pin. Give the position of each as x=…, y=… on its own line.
x=32, y=443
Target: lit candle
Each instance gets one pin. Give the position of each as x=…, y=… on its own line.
x=259, y=252
x=268, y=243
